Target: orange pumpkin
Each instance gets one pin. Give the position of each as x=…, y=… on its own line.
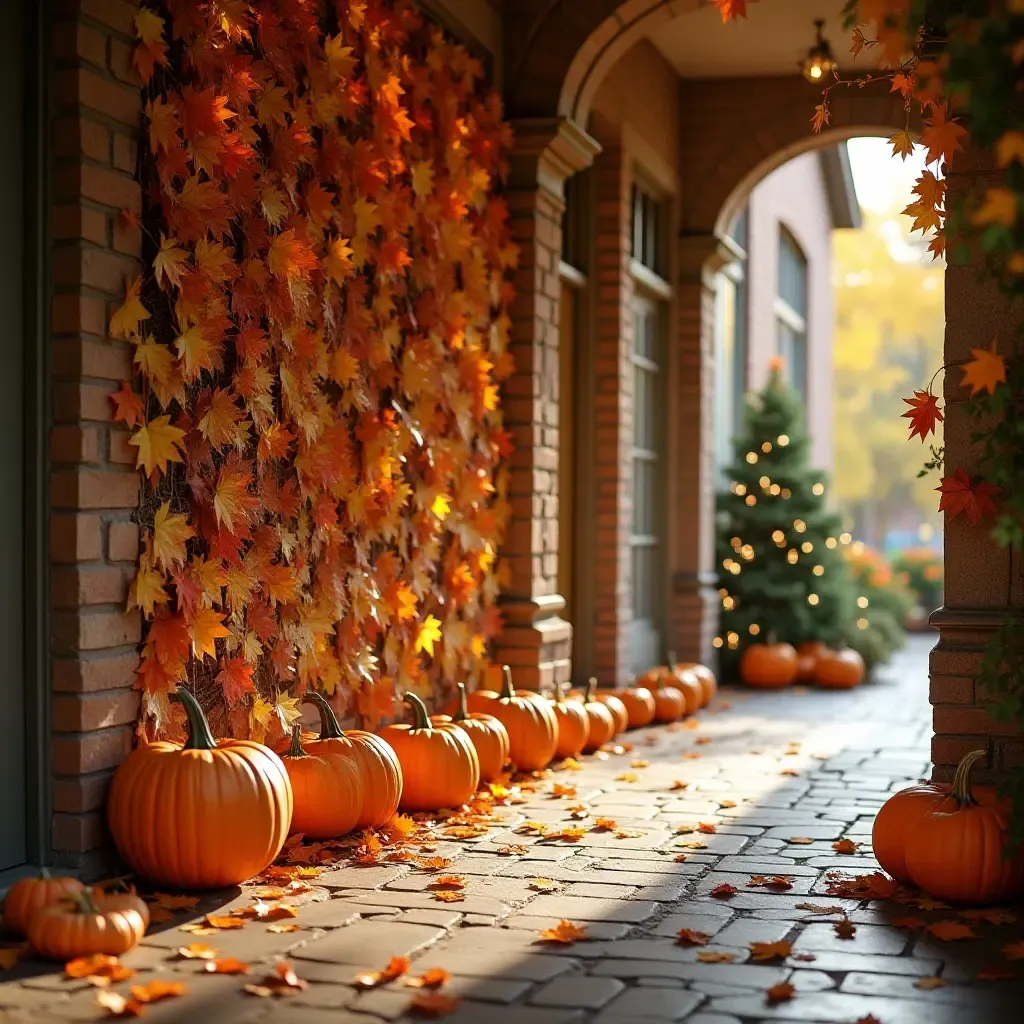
x=379, y=771
x=611, y=700
x=169, y=836
x=573, y=725
x=486, y=734
x=768, y=666
x=897, y=821
x=639, y=703
x=686, y=682
x=326, y=790
x=670, y=704
x=439, y=763
x=705, y=677
x=600, y=718
x=28, y=895
x=807, y=655
x=88, y=922
x=531, y=725
x=839, y=670
x=959, y=849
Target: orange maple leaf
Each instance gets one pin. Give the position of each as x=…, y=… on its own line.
x=434, y=1004
x=724, y=891
x=780, y=993
x=689, y=937
x=732, y=9
x=950, y=931
x=435, y=977
x=229, y=965
x=128, y=407
x=235, y=679
x=126, y=320
x=943, y=136
x=714, y=956
x=770, y=950
x=158, y=442
x=565, y=932
x=985, y=371
x=205, y=627
x=290, y=256
x=170, y=533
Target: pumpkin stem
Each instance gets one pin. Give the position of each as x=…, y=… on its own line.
x=591, y=690
x=295, y=750
x=81, y=902
x=559, y=697
x=420, y=719
x=962, y=793
x=329, y=728
x=462, y=711
x=671, y=661
x=507, y=689
x=199, y=735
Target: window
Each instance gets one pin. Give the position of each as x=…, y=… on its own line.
x=791, y=311
x=730, y=347
x=649, y=234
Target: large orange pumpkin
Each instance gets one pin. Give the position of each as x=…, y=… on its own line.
x=573, y=725
x=705, y=677
x=959, y=849
x=897, y=821
x=28, y=895
x=439, y=763
x=600, y=718
x=327, y=791
x=202, y=816
x=639, y=703
x=768, y=666
x=531, y=725
x=686, y=682
x=486, y=734
x=807, y=655
x=86, y=923
x=839, y=670
x=670, y=704
x=379, y=771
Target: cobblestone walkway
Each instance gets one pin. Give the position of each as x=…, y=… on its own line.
x=763, y=769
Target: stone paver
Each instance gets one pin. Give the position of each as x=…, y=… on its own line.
x=629, y=890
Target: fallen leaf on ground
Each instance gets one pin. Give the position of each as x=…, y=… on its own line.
x=564, y=932
x=845, y=846
x=229, y=965
x=223, y=923
x=284, y=927
x=434, y=978
x=436, y=863
x=817, y=908
x=447, y=882
x=682, y=830
x=543, y=884
x=433, y=1004
x=679, y=858
x=692, y=755
x=993, y=915
x=627, y=777
x=927, y=984
x=724, y=890
x=694, y=844
x=780, y=993
x=679, y=784
x=800, y=840
x=449, y=896
x=397, y=966
x=1012, y=950
x=927, y=903
x=875, y=886
x=626, y=833
x=869, y=1019
x=995, y=973
x=707, y=827
x=770, y=950
x=197, y=951
x=638, y=763
x=569, y=835
x=515, y=850
x=791, y=772
x=168, y=901
x=466, y=831
x=84, y=966
x=117, y=1006
x=951, y=930
x=726, y=803
x=538, y=828
x=907, y=922
x=711, y=956
x=561, y=789
x=689, y=937
x=604, y=824
x=702, y=740
x=155, y=991
x=845, y=929
x=579, y=811
x=570, y=764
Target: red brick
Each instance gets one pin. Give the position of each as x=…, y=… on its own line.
x=121, y=63
x=127, y=238
x=72, y=41
x=78, y=137
x=75, y=538
x=78, y=357
x=107, y=187
x=949, y=720
x=74, y=401
x=94, y=630
x=119, y=451
x=95, y=268
x=73, y=587
x=78, y=832
x=89, y=488
x=80, y=793
x=952, y=690
x=90, y=90
x=81, y=753
x=89, y=673
x=123, y=542
x=74, y=314
x=79, y=222
x=74, y=713
x=950, y=750
x=74, y=444
x=125, y=153
x=116, y=14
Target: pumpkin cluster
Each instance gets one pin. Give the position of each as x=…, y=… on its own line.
x=772, y=666
x=319, y=336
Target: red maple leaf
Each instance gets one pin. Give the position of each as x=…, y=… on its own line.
x=732, y=9
x=960, y=493
x=128, y=408
x=923, y=414
x=236, y=679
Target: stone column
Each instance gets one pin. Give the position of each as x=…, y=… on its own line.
x=536, y=640
x=982, y=579
x=693, y=610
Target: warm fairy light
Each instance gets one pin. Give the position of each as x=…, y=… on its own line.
x=831, y=542
x=862, y=602
x=735, y=568
x=812, y=599
x=818, y=570
x=766, y=447
x=799, y=525
x=728, y=603
x=786, y=492
x=751, y=457
x=807, y=547
x=844, y=538
x=792, y=556
x=740, y=489
x=818, y=489
x=736, y=543
x=783, y=440
x=750, y=500
x=774, y=489
x=723, y=592
x=717, y=642
x=727, y=564
x=858, y=548
x=765, y=482
x=747, y=551
x=779, y=537
x=862, y=623
x=733, y=638
x=754, y=629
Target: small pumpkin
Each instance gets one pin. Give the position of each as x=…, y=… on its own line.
x=600, y=718
x=486, y=734
x=897, y=821
x=326, y=789
x=639, y=702
x=573, y=725
x=28, y=895
x=807, y=655
x=88, y=922
x=839, y=670
x=686, y=682
x=768, y=666
x=611, y=700
x=439, y=763
x=379, y=770
x=670, y=703
x=705, y=677
x=234, y=832
x=531, y=725
x=958, y=851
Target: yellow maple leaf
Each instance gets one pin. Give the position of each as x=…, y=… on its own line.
x=170, y=532
x=158, y=442
x=206, y=627
x=288, y=712
x=259, y=718
x=154, y=360
x=429, y=633
x=126, y=320
x=170, y=262
x=902, y=144
x=338, y=261
x=998, y=206
x=1010, y=147
x=195, y=353
x=423, y=178
x=984, y=371
x=147, y=589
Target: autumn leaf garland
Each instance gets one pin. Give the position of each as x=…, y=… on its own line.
x=318, y=341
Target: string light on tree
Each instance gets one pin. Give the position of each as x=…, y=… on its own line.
x=753, y=629
x=799, y=525
x=717, y=643
x=792, y=556
x=844, y=538
x=818, y=489
x=863, y=623
x=786, y=492
x=775, y=489
x=779, y=537
x=807, y=547
x=752, y=457
x=766, y=447
x=862, y=601
x=818, y=570
x=812, y=599
x=782, y=440
x=751, y=500
x=831, y=543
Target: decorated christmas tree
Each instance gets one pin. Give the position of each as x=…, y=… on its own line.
x=781, y=572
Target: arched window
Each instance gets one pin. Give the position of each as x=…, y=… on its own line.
x=791, y=310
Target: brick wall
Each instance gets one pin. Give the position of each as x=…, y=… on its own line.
x=94, y=127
